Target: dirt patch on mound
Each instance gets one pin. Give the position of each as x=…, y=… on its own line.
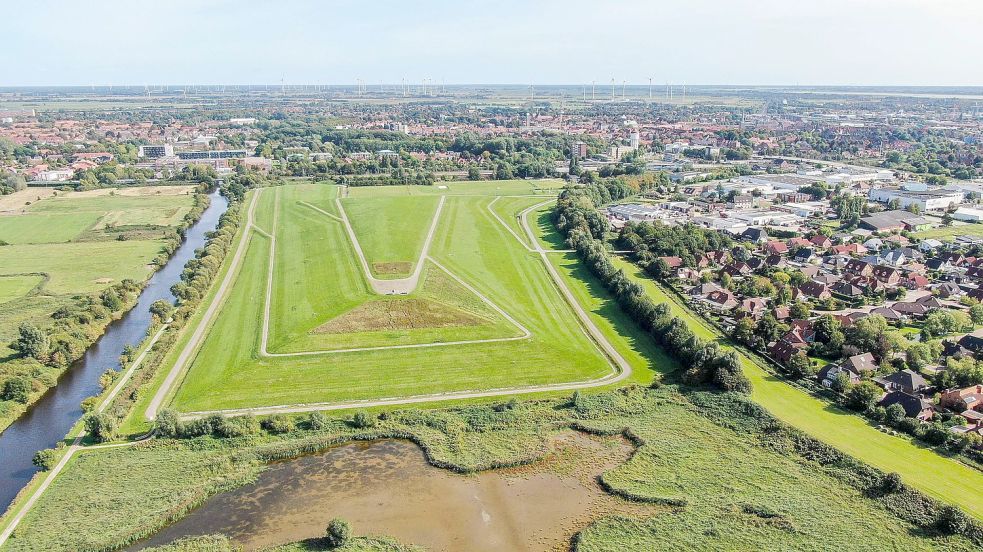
x=396, y=268
x=398, y=314
x=17, y=202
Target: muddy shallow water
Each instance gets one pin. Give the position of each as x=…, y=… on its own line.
x=388, y=488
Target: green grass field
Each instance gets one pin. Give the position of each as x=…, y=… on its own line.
x=944, y=233
x=391, y=231
x=48, y=262
x=317, y=280
x=14, y=287
x=922, y=468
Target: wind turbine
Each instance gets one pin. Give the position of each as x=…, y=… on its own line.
x=650, y=88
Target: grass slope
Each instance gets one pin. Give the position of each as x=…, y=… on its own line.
x=391, y=231
x=227, y=373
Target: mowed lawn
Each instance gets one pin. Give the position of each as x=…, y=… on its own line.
x=317, y=276
x=920, y=467
x=391, y=230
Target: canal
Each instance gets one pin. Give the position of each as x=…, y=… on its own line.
x=50, y=418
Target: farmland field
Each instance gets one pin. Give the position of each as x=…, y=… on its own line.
x=484, y=314
x=55, y=247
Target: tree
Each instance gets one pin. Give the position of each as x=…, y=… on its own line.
x=799, y=366
x=744, y=331
x=101, y=426
x=863, y=396
x=976, y=314
x=662, y=270
x=17, y=389
x=799, y=310
x=44, y=459
x=338, y=533
x=829, y=336
x=162, y=309
x=894, y=414
x=32, y=341
x=474, y=173
x=167, y=423
x=947, y=219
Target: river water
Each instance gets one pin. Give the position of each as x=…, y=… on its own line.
x=51, y=417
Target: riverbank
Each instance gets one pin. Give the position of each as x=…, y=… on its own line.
x=688, y=472
x=55, y=413
x=95, y=327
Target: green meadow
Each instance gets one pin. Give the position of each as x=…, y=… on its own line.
x=321, y=302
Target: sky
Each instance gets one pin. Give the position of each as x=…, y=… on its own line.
x=537, y=42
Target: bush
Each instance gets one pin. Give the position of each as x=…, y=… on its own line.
x=317, y=421
x=17, y=390
x=278, y=423
x=951, y=521
x=361, y=420
x=196, y=428
x=44, y=459
x=863, y=396
x=894, y=414
x=236, y=426
x=338, y=533
x=101, y=426
x=167, y=424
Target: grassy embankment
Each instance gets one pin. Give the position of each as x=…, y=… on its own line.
x=316, y=280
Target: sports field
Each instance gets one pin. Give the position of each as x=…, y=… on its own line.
x=475, y=309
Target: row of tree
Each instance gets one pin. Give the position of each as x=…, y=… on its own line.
x=705, y=361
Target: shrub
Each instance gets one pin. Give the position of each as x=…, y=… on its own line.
x=101, y=426
x=338, y=533
x=32, y=341
x=862, y=396
x=894, y=414
x=17, y=390
x=167, y=424
x=44, y=459
x=195, y=428
x=361, y=420
x=236, y=426
x=317, y=421
x=278, y=423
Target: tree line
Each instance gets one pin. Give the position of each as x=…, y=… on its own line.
x=576, y=217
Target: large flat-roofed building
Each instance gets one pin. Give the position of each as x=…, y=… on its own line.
x=779, y=181
x=927, y=200
x=633, y=212
x=211, y=154
x=155, y=151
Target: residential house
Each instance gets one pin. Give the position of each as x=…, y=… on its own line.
x=815, y=290
x=722, y=300
x=886, y=274
x=755, y=235
x=821, y=241
x=775, y=248
x=904, y=380
x=961, y=400
x=859, y=268
x=914, y=407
